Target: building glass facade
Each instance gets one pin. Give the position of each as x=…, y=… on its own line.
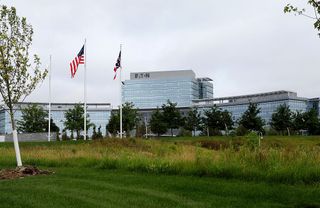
x=99, y=114
x=153, y=89
x=267, y=102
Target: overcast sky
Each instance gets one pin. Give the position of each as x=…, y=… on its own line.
x=245, y=46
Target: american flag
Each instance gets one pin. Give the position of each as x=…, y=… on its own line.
x=118, y=65
x=79, y=59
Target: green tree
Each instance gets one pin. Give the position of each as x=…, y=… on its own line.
x=281, y=120
x=113, y=125
x=157, y=123
x=212, y=120
x=307, y=121
x=216, y=120
x=227, y=121
x=315, y=13
x=171, y=116
x=312, y=121
x=299, y=121
x=130, y=117
x=18, y=75
x=140, y=129
x=75, y=119
x=193, y=120
x=33, y=119
x=250, y=119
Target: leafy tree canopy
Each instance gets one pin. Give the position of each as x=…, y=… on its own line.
x=130, y=117
x=157, y=123
x=281, y=120
x=75, y=119
x=193, y=120
x=216, y=120
x=171, y=116
x=18, y=75
x=33, y=119
x=314, y=14
x=250, y=119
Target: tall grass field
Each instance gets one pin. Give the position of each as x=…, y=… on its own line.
x=279, y=159
x=170, y=172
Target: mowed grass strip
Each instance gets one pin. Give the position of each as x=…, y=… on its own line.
x=290, y=160
x=86, y=187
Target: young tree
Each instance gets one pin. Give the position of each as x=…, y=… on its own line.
x=74, y=120
x=171, y=116
x=18, y=75
x=216, y=120
x=281, y=120
x=33, y=119
x=307, y=121
x=250, y=119
x=312, y=121
x=114, y=123
x=140, y=129
x=193, y=121
x=129, y=119
x=227, y=121
x=315, y=13
x=212, y=120
x=299, y=121
x=157, y=123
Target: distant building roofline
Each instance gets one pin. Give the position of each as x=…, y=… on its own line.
x=279, y=92
x=157, y=71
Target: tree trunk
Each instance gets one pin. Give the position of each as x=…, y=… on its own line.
x=15, y=137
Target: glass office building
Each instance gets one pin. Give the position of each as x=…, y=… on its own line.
x=152, y=89
x=99, y=114
x=267, y=102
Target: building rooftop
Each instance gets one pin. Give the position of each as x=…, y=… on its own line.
x=162, y=74
x=258, y=97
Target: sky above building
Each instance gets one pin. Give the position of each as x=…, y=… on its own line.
x=245, y=46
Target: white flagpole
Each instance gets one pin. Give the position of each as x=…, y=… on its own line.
x=120, y=92
x=85, y=90
x=49, y=114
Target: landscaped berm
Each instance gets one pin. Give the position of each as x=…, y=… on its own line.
x=172, y=172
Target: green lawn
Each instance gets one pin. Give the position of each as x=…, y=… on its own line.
x=84, y=187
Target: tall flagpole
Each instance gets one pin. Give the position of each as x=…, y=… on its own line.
x=49, y=114
x=120, y=92
x=85, y=90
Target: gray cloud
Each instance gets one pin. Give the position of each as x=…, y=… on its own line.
x=245, y=46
